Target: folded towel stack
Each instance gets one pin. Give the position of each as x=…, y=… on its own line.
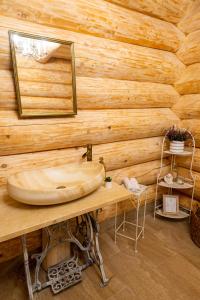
x=131, y=184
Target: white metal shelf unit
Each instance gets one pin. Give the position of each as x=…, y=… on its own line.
x=188, y=183
x=138, y=225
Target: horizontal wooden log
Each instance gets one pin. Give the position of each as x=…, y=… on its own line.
x=42, y=103
x=170, y=11
x=185, y=161
x=98, y=93
x=31, y=112
x=186, y=201
x=184, y=172
x=188, y=107
x=189, y=82
x=58, y=65
x=194, y=126
x=114, y=94
x=13, y=248
x=189, y=52
x=116, y=155
x=46, y=76
x=87, y=127
x=95, y=57
x=7, y=91
x=191, y=21
x=145, y=173
x=7, y=78
x=86, y=16
x=42, y=89
x=7, y=101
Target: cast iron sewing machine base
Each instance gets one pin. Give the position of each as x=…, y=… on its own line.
x=68, y=272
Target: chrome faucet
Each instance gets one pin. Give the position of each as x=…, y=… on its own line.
x=88, y=153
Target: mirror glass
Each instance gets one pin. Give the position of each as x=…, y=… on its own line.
x=44, y=75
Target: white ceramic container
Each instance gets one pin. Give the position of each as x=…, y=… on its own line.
x=108, y=185
x=177, y=146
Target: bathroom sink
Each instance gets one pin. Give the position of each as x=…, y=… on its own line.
x=57, y=184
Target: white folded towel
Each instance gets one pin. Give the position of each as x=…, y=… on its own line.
x=134, y=184
x=131, y=184
x=127, y=183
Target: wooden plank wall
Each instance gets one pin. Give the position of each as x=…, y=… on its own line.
x=188, y=85
x=126, y=67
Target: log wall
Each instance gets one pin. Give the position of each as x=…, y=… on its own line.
x=188, y=85
x=126, y=69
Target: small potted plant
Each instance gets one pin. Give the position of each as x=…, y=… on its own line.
x=108, y=182
x=177, y=138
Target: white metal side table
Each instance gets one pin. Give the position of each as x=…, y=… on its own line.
x=138, y=225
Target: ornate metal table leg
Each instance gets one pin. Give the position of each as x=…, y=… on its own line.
x=95, y=250
x=26, y=266
x=39, y=257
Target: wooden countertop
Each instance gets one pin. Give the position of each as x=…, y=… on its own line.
x=17, y=219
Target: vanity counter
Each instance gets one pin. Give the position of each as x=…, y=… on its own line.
x=17, y=219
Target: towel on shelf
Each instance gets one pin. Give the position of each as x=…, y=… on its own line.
x=131, y=184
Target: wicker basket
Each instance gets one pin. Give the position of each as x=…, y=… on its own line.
x=195, y=227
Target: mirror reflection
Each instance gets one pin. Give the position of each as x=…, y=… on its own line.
x=44, y=75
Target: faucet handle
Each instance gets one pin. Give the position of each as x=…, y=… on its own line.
x=101, y=160
x=88, y=153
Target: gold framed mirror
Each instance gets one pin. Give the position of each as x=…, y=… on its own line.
x=44, y=75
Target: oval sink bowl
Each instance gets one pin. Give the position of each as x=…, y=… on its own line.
x=57, y=184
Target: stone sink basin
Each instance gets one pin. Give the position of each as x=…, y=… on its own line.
x=57, y=184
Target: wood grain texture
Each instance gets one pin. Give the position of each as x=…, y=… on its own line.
x=191, y=21
x=91, y=16
x=170, y=11
x=23, y=219
x=13, y=247
x=189, y=82
x=123, y=94
x=34, y=239
x=194, y=126
x=185, y=161
x=97, y=57
x=42, y=89
x=189, y=52
x=186, y=201
x=87, y=127
x=185, y=172
x=188, y=107
x=45, y=76
x=91, y=95
x=56, y=65
x=145, y=173
x=49, y=104
x=116, y=156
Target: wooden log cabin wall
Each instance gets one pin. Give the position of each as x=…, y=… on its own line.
x=187, y=107
x=126, y=68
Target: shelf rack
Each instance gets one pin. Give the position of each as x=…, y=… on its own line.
x=138, y=225
x=188, y=182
